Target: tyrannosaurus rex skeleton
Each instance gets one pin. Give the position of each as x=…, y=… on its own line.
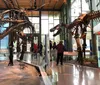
x=78, y=27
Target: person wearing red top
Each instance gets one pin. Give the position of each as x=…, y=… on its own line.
x=60, y=50
x=35, y=49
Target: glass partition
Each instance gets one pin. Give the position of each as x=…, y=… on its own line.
x=4, y=41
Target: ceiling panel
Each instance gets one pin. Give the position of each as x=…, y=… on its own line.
x=59, y=4
x=2, y=4
x=29, y=4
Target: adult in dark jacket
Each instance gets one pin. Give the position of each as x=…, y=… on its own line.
x=60, y=50
x=11, y=54
x=40, y=48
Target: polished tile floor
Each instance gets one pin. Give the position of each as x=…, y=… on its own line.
x=15, y=75
x=70, y=74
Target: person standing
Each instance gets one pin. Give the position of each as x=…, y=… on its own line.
x=60, y=50
x=50, y=44
x=40, y=49
x=54, y=51
x=23, y=50
x=35, y=49
x=11, y=54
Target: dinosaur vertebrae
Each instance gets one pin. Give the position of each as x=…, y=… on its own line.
x=93, y=15
x=14, y=16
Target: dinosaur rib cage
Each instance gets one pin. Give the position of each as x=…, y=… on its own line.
x=17, y=20
x=13, y=15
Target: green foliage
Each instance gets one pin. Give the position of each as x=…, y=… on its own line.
x=90, y=60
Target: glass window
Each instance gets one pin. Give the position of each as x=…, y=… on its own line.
x=6, y=16
x=36, y=25
x=50, y=19
x=56, y=22
x=4, y=41
x=34, y=19
x=50, y=33
x=35, y=22
x=27, y=31
x=44, y=26
x=44, y=15
x=43, y=40
x=56, y=15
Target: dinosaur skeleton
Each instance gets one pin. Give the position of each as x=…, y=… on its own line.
x=78, y=27
x=18, y=21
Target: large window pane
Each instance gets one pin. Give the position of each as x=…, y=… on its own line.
x=27, y=31
x=56, y=22
x=4, y=41
x=44, y=15
x=34, y=19
x=50, y=33
x=36, y=25
x=56, y=15
x=44, y=25
x=50, y=19
x=35, y=22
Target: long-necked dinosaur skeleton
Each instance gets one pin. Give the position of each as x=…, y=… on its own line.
x=78, y=28
x=18, y=21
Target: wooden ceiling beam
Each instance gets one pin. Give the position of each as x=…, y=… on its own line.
x=5, y=3
x=32, y=9
x=49, y=2
x=55, y=4
x=31, y=3
x=35, y=4
x=11, y=2
x=17, y=3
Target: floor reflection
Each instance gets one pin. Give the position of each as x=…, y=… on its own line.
x=14, y=75
x=28, y=57
x=69, y=74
